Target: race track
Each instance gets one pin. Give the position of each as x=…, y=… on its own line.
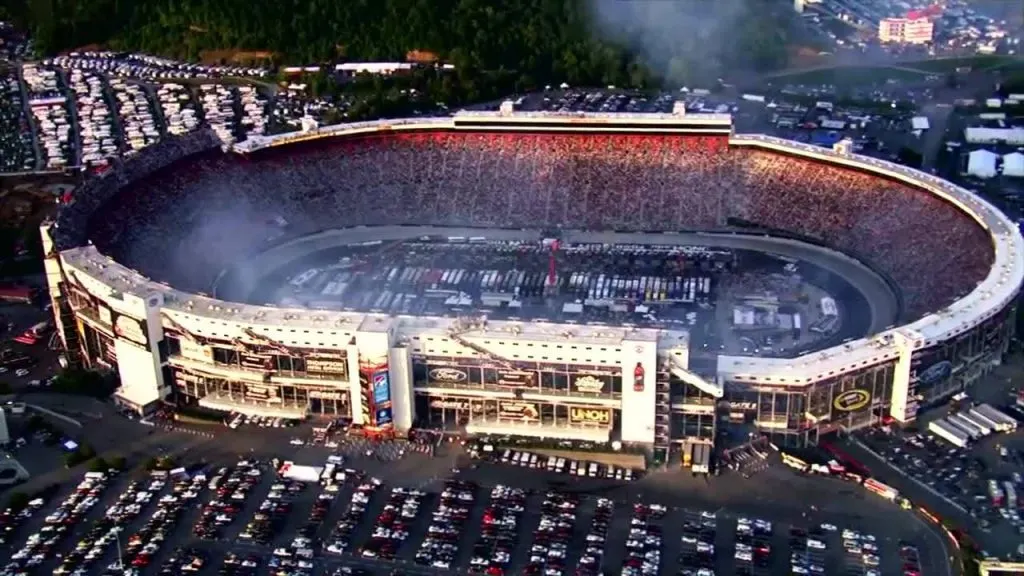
x=883, y=303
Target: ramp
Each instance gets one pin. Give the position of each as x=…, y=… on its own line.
x=711, y=388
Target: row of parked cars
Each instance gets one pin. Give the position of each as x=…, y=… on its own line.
x=753, y=545
x=273, y=512
x=232, y=487
x=140, y=548
x=592, y=559
x=808, y=549
x=393, y=524
x=499, y=531
x=567, y=466
x=11, y=520
x=183, y=560
x=697, y=546
x=861, y=554
x=16, y=147
x=340, y=540
x=551, y=540
x=94, y=545
x=643, y=545
x=448, y=522
x=40, y=545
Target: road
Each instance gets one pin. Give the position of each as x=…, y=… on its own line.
x=37, y=148
x=932, y=140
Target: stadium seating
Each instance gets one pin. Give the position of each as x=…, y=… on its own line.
x=185, y=222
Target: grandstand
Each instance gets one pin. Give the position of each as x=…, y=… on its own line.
x=187, y=214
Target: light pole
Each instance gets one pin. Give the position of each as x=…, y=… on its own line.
x=117, y=540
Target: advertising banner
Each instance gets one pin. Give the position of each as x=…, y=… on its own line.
x=381, y=387
x=447, y=376
x=460, y=405
x=131, y=330
x=852, y=400
x=590, y=384
x=255, y=361
x=931, y=367
x=514, y=378
x=326, y=395
x=383, y=417
x=602, y=416
x=526, y=411
x=327, y=365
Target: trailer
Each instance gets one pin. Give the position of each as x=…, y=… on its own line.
x=980, y=422
x=1007, y=423
x=949, y=433
x=977, y=416
x=966, y=425
x=702, y=459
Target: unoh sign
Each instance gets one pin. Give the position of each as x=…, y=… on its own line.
x=852, y=400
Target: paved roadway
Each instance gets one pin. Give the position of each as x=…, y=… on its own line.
x=875, y=290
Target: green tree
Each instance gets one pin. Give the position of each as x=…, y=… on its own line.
x=98, y=465
x=17, y=501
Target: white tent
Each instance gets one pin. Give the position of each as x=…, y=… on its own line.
x=976, y=135
x=982, y=163
x=1013, y=164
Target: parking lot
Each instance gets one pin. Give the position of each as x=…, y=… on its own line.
x=239, y=516
x=978, y=483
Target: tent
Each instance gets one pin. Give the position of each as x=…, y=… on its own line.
x=982, y=163
x=1013, y=164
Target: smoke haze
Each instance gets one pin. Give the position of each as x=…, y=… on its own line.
x=681, y=40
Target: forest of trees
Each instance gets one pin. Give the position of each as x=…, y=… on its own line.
x=534, y=42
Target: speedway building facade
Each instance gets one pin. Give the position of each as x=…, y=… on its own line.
x=587, y=382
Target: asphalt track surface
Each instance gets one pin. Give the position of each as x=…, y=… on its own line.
x=883, y=303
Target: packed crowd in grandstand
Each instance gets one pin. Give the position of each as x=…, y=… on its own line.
x=199, y=216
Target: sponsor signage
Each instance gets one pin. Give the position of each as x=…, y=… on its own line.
x=519, y=378
x=519, y=410
x=255, y=361
x=324, y=395
x=450, y=404
x=852, y=400
x=448, y=375
x=590, y=415
x=327, y=365
x=588, y=384
x=131, y=329
x=194, y=351
x=186, y=378
x=638, y=376
x=381, y=387
x=935, y=373
x=384, y=417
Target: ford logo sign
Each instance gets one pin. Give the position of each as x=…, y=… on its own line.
x=852, y=400
x=936, y=373
x=447, y=375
